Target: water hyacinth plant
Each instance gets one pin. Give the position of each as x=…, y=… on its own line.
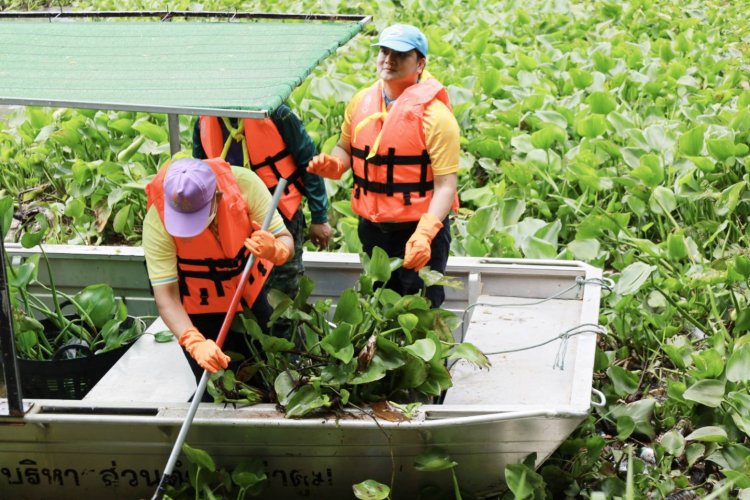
x=95, y=322
x=207, y=480
x=378, y=347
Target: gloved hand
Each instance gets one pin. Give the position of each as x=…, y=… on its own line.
x=264, y=245
x=326, y=166
x=205, y=352
x=418, y=250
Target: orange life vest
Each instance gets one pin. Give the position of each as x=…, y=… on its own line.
x=269, y=157
x=395, y=184
x=208, y=268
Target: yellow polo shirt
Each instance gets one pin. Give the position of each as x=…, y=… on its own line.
x=159, y=246
x=441, y=133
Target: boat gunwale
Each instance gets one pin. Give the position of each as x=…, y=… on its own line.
x=210, y=416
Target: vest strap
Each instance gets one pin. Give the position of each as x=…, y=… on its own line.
x=398, y=187
x=225, y=263
x=366, y=166
x=383, y=160
x=423, y=171
x=270, y=162
x=389, y=171
x=296, y=179
x=229, y=269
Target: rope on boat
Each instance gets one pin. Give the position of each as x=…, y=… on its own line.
x=563, y=348
x=580, y=281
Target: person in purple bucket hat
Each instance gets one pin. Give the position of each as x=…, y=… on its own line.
x=199, y=231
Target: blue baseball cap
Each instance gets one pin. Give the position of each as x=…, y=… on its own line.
x=403, y=38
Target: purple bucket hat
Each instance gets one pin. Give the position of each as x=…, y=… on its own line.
x=189, y=187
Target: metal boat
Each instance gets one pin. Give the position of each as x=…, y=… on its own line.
x=535, y=319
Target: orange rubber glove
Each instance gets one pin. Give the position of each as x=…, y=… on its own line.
x=326, y=166
x=264, y=245
x=205, y=352
x=418, y=250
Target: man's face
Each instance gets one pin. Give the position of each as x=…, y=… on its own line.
x=396, y=66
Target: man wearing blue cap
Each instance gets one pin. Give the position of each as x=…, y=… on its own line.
x=401, y=141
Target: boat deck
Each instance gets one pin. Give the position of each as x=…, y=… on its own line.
x=532, y=352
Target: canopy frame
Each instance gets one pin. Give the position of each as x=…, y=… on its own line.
x=166, y=15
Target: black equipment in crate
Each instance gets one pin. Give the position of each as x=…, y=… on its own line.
x=68, y=378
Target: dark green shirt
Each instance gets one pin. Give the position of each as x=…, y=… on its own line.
x=300, y=146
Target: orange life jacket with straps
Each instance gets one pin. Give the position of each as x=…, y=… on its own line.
x=393, y=183
x=208, y=268
x=268, y=156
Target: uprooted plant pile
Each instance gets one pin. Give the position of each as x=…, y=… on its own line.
x=379, y=346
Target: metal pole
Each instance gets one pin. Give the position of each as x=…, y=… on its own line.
x=173, y=122
x=7, y=343
x=167, y=15
x=177, y=448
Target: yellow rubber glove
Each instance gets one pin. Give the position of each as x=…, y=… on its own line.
x=326, y=166
x=418, y=250
x=205, y=352
x=264, y=245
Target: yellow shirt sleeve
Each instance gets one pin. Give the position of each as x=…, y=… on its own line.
x=160, y=250
x=442, y=137
x=345, y=140
x=441, y=133
x=159, y=246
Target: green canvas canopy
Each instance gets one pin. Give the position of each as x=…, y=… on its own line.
x=238, y=67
